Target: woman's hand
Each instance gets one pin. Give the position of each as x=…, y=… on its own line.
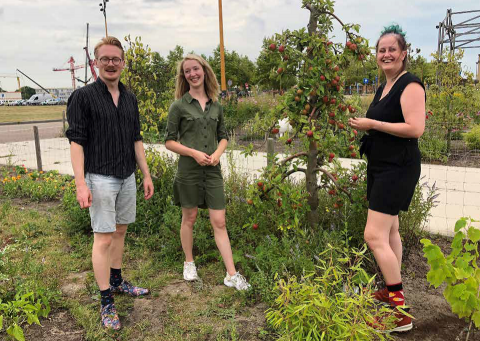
x=361, y=123
x=214, y=159
x=201, y=158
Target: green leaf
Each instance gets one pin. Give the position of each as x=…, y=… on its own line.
x=473, y=234
x=460, y=224
x=476, y=319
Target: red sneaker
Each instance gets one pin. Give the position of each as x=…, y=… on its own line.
x=381, y=295
x=403, y=323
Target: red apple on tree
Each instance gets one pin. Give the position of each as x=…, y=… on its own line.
x=281, y=48
x=280, y=70
x=310, y=133
x=272, y=47
x=255, y=226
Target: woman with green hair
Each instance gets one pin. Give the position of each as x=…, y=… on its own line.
x=393, y=123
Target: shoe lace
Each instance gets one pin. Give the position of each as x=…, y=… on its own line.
x=109, y=309
x=189, y=267
x=241, y=281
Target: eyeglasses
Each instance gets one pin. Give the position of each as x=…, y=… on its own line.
x=115, y=61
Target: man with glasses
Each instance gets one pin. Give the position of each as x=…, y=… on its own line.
x=105, y=146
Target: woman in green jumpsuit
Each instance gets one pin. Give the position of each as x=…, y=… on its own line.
x=196, y=131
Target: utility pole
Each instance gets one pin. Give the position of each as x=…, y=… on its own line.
x=86, y=59
x=103, y=8
x=222, y=53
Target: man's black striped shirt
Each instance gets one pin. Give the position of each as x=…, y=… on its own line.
x=106, y=132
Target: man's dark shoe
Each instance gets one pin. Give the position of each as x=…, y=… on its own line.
x=126, y=288
x=109, y=317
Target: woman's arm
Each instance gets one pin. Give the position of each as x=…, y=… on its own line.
x=176, y=147
x=412, y=102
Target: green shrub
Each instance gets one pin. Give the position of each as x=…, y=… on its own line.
x=459, y=270
x=433, y=144
x=328, y=305
x=37, y=186
x=472, y=138
x=24, y=308
x=238, y=112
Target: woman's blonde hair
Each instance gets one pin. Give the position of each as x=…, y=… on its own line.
x=212, y=89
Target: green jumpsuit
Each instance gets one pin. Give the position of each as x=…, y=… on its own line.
x=195, y=185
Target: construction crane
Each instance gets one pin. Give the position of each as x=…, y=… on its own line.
x=48, y=92
x=72, y=69
x=11, y=76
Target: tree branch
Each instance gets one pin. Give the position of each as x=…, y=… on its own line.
x=291, y=157
x=331, y=177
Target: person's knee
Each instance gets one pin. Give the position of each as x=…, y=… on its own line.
x=188, y=219
x=102, y=242
x=371, y=237
x=218, y=223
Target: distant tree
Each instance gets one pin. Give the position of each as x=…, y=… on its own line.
x=1, y=90
x=356, y=72
x=165, y=70
x=239, y=69
x=267, y=66
x=26, y=91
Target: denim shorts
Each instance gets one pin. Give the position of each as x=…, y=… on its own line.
x=113, y=201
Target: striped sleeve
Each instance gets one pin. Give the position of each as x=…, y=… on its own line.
x=77, y=119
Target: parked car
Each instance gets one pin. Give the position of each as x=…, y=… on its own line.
x=37, y=99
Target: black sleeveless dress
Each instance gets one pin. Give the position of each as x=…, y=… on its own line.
x=393, y=167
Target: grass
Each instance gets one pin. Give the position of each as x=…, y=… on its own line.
x=31, y=113
x=176, y=310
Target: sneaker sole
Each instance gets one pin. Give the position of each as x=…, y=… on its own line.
x=402, y=329
x=191, y=279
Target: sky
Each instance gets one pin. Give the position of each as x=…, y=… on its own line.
x=39, y=35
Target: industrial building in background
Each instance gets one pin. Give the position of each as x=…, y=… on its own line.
x=61, y=93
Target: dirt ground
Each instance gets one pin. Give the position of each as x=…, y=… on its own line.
x=433, y=319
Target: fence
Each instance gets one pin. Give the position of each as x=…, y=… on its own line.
x=35, y=144
x=456, y=173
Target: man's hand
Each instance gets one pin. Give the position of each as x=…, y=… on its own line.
x=214, y=159
x=148, y=187
x=84, y=196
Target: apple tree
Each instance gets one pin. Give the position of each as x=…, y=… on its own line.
x=317, y=111
x=451, y=101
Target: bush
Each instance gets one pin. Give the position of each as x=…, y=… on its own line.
x=238, y=112
x=433, y=144
x=329, y=305
x=472, y=138
x=37, y=186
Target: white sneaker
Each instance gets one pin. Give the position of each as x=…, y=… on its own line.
x=190, y=271
x=237, y=281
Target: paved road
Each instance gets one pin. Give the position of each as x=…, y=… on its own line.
x=24, y=132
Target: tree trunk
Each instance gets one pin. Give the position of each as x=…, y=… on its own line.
x=311, y=178
x=311, y=175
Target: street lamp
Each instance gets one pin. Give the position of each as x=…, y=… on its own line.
x=103, y=8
